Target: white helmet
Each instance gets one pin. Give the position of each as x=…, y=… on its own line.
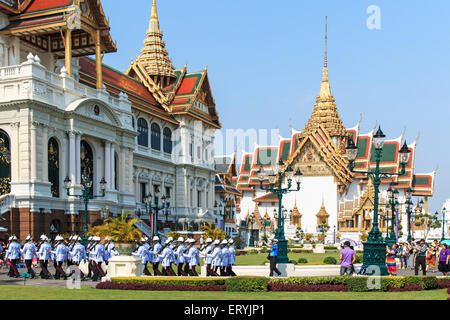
x=146, y=238
x=97, y=238
x=167, y=242
x=170, y=239
x=46, y=238
x=191, y=240
x=180, y=239
x=28, y=238
x=209, y=240
x=59, y=238
x=187, y=240
x=224, y=242
x=142, y=239
x=231, y=241
x=42, y=237
x=155, y=238
x=76, y=238
x=14, y=238
x=71, y=238
x=10, y=238
x=216, y=242
x=90, y=238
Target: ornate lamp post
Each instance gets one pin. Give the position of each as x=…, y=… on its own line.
x=265, y=234
x=252, y=239
x=86, y=183
x=279, y=171
x=409, y=205
x=375, y=246
x=393, y=203
x=444, y=211
x=156, y=207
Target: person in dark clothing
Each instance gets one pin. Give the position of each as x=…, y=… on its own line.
x=421, y=256
x=273, y=257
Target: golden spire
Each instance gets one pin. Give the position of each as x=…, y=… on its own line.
x=154, y=56
x=325, y=110
x=322, y=212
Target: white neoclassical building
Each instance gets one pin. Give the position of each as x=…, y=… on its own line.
x=149, y=132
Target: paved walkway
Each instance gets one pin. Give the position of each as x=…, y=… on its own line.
x=5, y=280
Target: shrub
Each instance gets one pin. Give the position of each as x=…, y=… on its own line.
x=301, y=251
x=293, y=262
x=157, y=287
x=185, y=281
x=407, y=287
x=302, y=260
x=263, y=250
x=329, y=247
x=359, y=258
x=330, y=260
x=443, y=283
x=247, y=284
x=425, y=282
x=252, y=251
x=309, y=280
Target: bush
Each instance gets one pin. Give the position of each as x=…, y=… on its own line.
x=247, y=284
x=252, y=251
x=443, y=283
x=425, y=282
x=185, y=281
x=359, y=258
x=110, y=285
x=293, y=262
x=329, y=247
x=301, y=251
x=330, y=260
x=263, y=250
x=302, y=260
x=309, y=280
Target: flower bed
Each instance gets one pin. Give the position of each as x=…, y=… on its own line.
x=293, y=284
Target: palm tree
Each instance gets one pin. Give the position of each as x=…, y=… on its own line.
x=120, y=229
x=213, y=233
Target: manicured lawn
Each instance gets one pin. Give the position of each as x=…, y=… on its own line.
x=260, y=259
x=87, y=293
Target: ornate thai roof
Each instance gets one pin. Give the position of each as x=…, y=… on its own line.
x=154, y=56
x=295, y=212
x=39, y=23
x=322, y=213
x=423, y=184
x=226, y=164
x=268, y=197
x=325, y=111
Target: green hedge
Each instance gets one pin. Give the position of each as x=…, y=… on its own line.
x=330, y=260
x=360, y=284
x=171, y=280
x=247, y=284
x=309, y=280
x=302, y=260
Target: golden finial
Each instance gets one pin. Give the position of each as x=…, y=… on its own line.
x=154, y=11
x=325, y=91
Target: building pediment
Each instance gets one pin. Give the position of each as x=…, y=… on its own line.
x=95, y=110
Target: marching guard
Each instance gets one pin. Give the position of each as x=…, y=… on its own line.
x=231, y=258
x=143, y=253
x=208, y=260
x=193, y=257
x=155, y=252
x=44, y=256
x=60, y=253
x=13, y=254
x=166, y=257
x=78, y=254
x=216, y=257
x=224, y=258
x=179, y=256
x=29, y=252
x=98, y=258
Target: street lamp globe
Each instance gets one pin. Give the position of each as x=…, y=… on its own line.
x=67, y=183
x=396, y=193
x=379, y=138
x=298, y=175
x=351, y=150
x=289, y=172
x=102, y=184
x=390, y=192
x=404, y=154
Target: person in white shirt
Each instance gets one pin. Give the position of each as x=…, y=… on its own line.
x=44, y=256
x=224, y=258
x=179, y=250
x=29, y=252
x=216, y=257
x=231, y=258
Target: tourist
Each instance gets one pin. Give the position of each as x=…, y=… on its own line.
x=444, y=257
x=411, y=255
x=391, y=263
x=273, y=256
x=421, y=252
x=431, y=257
x=348, y=258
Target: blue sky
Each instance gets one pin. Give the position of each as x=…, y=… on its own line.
x=265, y=63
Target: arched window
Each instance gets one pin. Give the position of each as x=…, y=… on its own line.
x=87, y=163
x=167, y=138
x=116, y=172
x=143, y=132
x=53, y=166
x=156, y=137
x=5, y=163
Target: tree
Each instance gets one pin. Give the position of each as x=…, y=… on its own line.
x=175, y=235
x=323, y=228
x=120, y=229
x=214, y=233
x=427, y=222
x=299, y=234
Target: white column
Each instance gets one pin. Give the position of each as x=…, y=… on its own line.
x=113, y=173
x=45, y=153
x=108, y=163
x=72, y=159
x=14, y=145
x=136, y=186
x=78, y=157
x=33, y=151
